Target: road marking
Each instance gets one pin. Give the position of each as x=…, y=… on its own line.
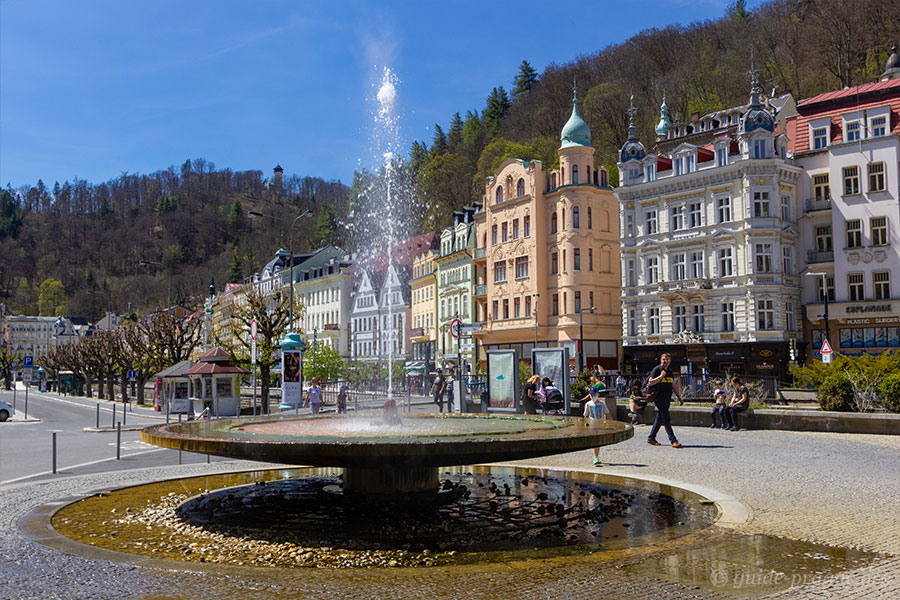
x=132, y=445
x=87, y=464
x=94, y=406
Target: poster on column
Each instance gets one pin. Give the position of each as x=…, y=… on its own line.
x=292, y=382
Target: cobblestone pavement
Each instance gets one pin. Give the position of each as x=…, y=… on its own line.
x=835, y=489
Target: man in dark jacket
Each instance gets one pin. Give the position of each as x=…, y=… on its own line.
x=661, y=378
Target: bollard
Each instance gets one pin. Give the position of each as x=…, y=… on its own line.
x=26, y=402
x=98, y=415
x=124, y=412
x=179, y=450
x=54, y=452
x=118, y=441
x=167, y=411
x=114, y=415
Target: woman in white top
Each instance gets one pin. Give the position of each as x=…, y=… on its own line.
x=595, y=409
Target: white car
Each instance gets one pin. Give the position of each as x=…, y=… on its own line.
x=6, y=410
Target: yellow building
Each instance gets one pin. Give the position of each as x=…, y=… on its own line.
x=547, y=268
x=423, y=292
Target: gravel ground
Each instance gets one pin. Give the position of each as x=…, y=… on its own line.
x=835, y=489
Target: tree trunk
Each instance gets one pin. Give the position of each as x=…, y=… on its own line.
x=141, y=380
x=86, y=386
x=124, y=377
x=264, y=391
x=101, y=389
x=111, y=386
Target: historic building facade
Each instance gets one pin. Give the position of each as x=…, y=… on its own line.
x=423, y=313
x=324, y=283
x=455, y=285
x=546, y=272
x=709, y=247
x=848, y=143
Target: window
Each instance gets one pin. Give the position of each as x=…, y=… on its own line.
x=553, y=181
x=589, y=217
x=829, y=281
x=676, y=219
x=520, y=188
x=493, y=235
x=879, y=126
x=723, y=209
x=499, y=194
x=679, y=168
x=728, y=316
x=506, y=308
x=576, y=219
x=577, y=302
x=876, y=177
x=650, y=222
x=821, y=189
x=577, y=259
x=526, y=226
x=517, y=307
x=500, y=271
x=697, y=265
x=563, y=220
x=697, y=317
x=679, y=319
x=787, y=260
x=651, y=172
x=555, y=306
x=721, y=157
x=629, y=225
x=575, y=174
x=564, y=264
x=879, y=231
x=694, y=213
x=653, y=318
x=761, y=204
x=765, y=314
x=527, y=306
x=785, y=208
x=505, y=232
x=678, y=267
x=854, y=233
x=521, y=267
x=820, y=138
x=763, y=258
x=632, y=321
x=789, y=316
x=553, y=223
x=856, y=287
x=759, y=149
x=496, y=310
x=881, y=281
x=591, y=298
x=823, y=239
x=632, y=275
x=725, y=262
x=590, y=259
x=689, y=163
x=515, y=229
x=853, y=131
x=851, y=180
x=554, y=263
x=652, y=271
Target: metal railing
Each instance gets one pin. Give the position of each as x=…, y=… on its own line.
x=814, y=204
x=480, y=252
x=481, y=289
x=815, y=256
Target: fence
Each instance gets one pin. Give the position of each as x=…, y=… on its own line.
x=701, y=387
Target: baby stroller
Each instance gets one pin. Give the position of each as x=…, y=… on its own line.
x=553, y=401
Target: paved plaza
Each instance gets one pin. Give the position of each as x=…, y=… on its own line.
x=835, y=489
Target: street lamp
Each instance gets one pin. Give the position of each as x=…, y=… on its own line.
x=145, y=263
x=254, y=214
x=581, y=337
x=824, y=277
x=536, y=298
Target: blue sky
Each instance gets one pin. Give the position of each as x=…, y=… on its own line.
x=96, y=88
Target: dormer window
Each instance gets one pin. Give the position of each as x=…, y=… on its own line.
x=759, y=148
x=679, y=169
x=879, y=126
x=689, y=163
x=721, y=156
x=651, y=172
x=852, y=131
x=820, y=138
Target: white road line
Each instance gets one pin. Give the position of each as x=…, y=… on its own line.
x=90, y=407
x=87, y=464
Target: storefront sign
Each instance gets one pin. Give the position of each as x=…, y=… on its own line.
x=718, y=353
x=868, y=308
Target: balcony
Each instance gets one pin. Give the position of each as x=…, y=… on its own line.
x=814, y=256
x=814, y=204
x=417, y=332
x=480, y=253
x=481, y=290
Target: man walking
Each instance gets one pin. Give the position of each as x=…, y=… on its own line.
x=661, y=378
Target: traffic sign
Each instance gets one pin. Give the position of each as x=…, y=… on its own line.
x=253, y=330
x=132, y=374
x=28, y=361
x=467, y=327
x=826, y=348
x=455, y=325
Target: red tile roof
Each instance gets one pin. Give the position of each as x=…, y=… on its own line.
x=206, y=368
x=850, y=92
x=216, y=354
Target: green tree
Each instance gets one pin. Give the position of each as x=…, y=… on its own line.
x=418, y=156
x=446, y=183
x=235, y=269
x=326, y=226
x=454, y=136
x=7, y=356
x=237, y=219
x=473, y=137
x=497, y=105
x=10, y=215
x=439, y=144
x=172, y=257
x=501, y=149
x=525, y=79
x=51, y=298
x=323, y=362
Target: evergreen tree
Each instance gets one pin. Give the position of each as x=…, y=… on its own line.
x=10, y=216
x=497, y=105
x=326, y=226
x=439, y=143
x=235, y=270
x=473, y=137
x=454, y=138
x=418, y=156
x=525, y=80
x=237, y=220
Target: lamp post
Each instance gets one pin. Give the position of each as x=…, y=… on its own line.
x=824, y=277
x=254, y=214
x=145, y=263
x=536, y=298
x=581, y=336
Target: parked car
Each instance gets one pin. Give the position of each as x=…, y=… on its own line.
x=6, y=410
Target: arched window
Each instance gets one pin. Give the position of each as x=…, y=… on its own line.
x=575, y=174
x=520, y=188
x=499, y=194
x=589, y=217
x=604, y=179
x=604, y=220
x=553, y=181
x=553, y=223
x=576, y=218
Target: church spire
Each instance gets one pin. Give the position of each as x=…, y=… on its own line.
x=662, y=128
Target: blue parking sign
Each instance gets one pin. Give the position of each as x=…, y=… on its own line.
x=28, y=362
x=132, y=374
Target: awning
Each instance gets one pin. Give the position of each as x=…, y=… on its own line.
x=414, y=365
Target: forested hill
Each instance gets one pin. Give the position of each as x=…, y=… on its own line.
x=75, y=248
x=802, y=46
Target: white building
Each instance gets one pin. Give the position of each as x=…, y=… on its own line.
x=848, y=143
x=324, y=283
x=709, y=247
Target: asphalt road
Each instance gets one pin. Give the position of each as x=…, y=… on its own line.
x=26, y=446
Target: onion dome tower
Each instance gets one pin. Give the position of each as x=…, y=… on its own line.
x=633, y=149
x=575, y=150
x=662, y=128
x=892, y=68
